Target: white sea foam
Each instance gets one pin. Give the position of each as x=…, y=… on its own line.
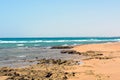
x=51, y=41
x=22, y=56
x=74, y=44
x=65, y=45
x=20, y=45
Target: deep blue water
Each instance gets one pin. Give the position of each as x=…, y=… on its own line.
x=48, y=42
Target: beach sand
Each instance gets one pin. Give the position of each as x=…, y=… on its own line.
x=105, y=68
x=102, y=63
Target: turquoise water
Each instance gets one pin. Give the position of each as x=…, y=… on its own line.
x=48, y=42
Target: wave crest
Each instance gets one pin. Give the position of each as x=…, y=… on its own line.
x=53, y=41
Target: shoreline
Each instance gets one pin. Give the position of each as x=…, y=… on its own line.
x=102, y=63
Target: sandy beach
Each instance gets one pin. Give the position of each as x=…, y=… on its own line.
x=102, y=62
x=59, y=39
x=105, y=68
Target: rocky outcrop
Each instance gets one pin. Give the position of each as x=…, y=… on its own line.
x=57, y=62
x=70, y=52
x=87, y=53
x=46, y=69
x=61, y=47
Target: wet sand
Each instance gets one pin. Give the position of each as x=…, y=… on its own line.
x=102, y=62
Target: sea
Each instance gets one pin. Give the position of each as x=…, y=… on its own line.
x=17, y=52
x=49, y=42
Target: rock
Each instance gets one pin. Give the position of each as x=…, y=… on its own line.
x=70, y=52
x=41, y=71
x=105, y=57
x=57, y=62
x=48, y=75
x=61, y=47
x=92, y=53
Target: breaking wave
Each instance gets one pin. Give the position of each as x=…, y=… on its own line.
x=55, y=41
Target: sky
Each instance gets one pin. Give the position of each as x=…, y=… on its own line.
x=59, y=18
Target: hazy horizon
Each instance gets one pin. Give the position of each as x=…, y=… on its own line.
x=59, y=18
x=69, y=37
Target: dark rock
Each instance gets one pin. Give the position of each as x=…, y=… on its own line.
x=65, y=78
x=92, y=53
x=48, y=75
x=68, y=51
x=36, y=57
x=61, y=47
x=105, y=57
x=58, y=62
x=73, y=73
x=64, y=51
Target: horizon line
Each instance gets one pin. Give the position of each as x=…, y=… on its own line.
x=69, y=37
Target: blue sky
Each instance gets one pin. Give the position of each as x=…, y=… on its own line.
x=59, y=18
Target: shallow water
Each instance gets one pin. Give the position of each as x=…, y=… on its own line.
x=19, y=57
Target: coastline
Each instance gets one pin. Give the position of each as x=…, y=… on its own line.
x=103, y=63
